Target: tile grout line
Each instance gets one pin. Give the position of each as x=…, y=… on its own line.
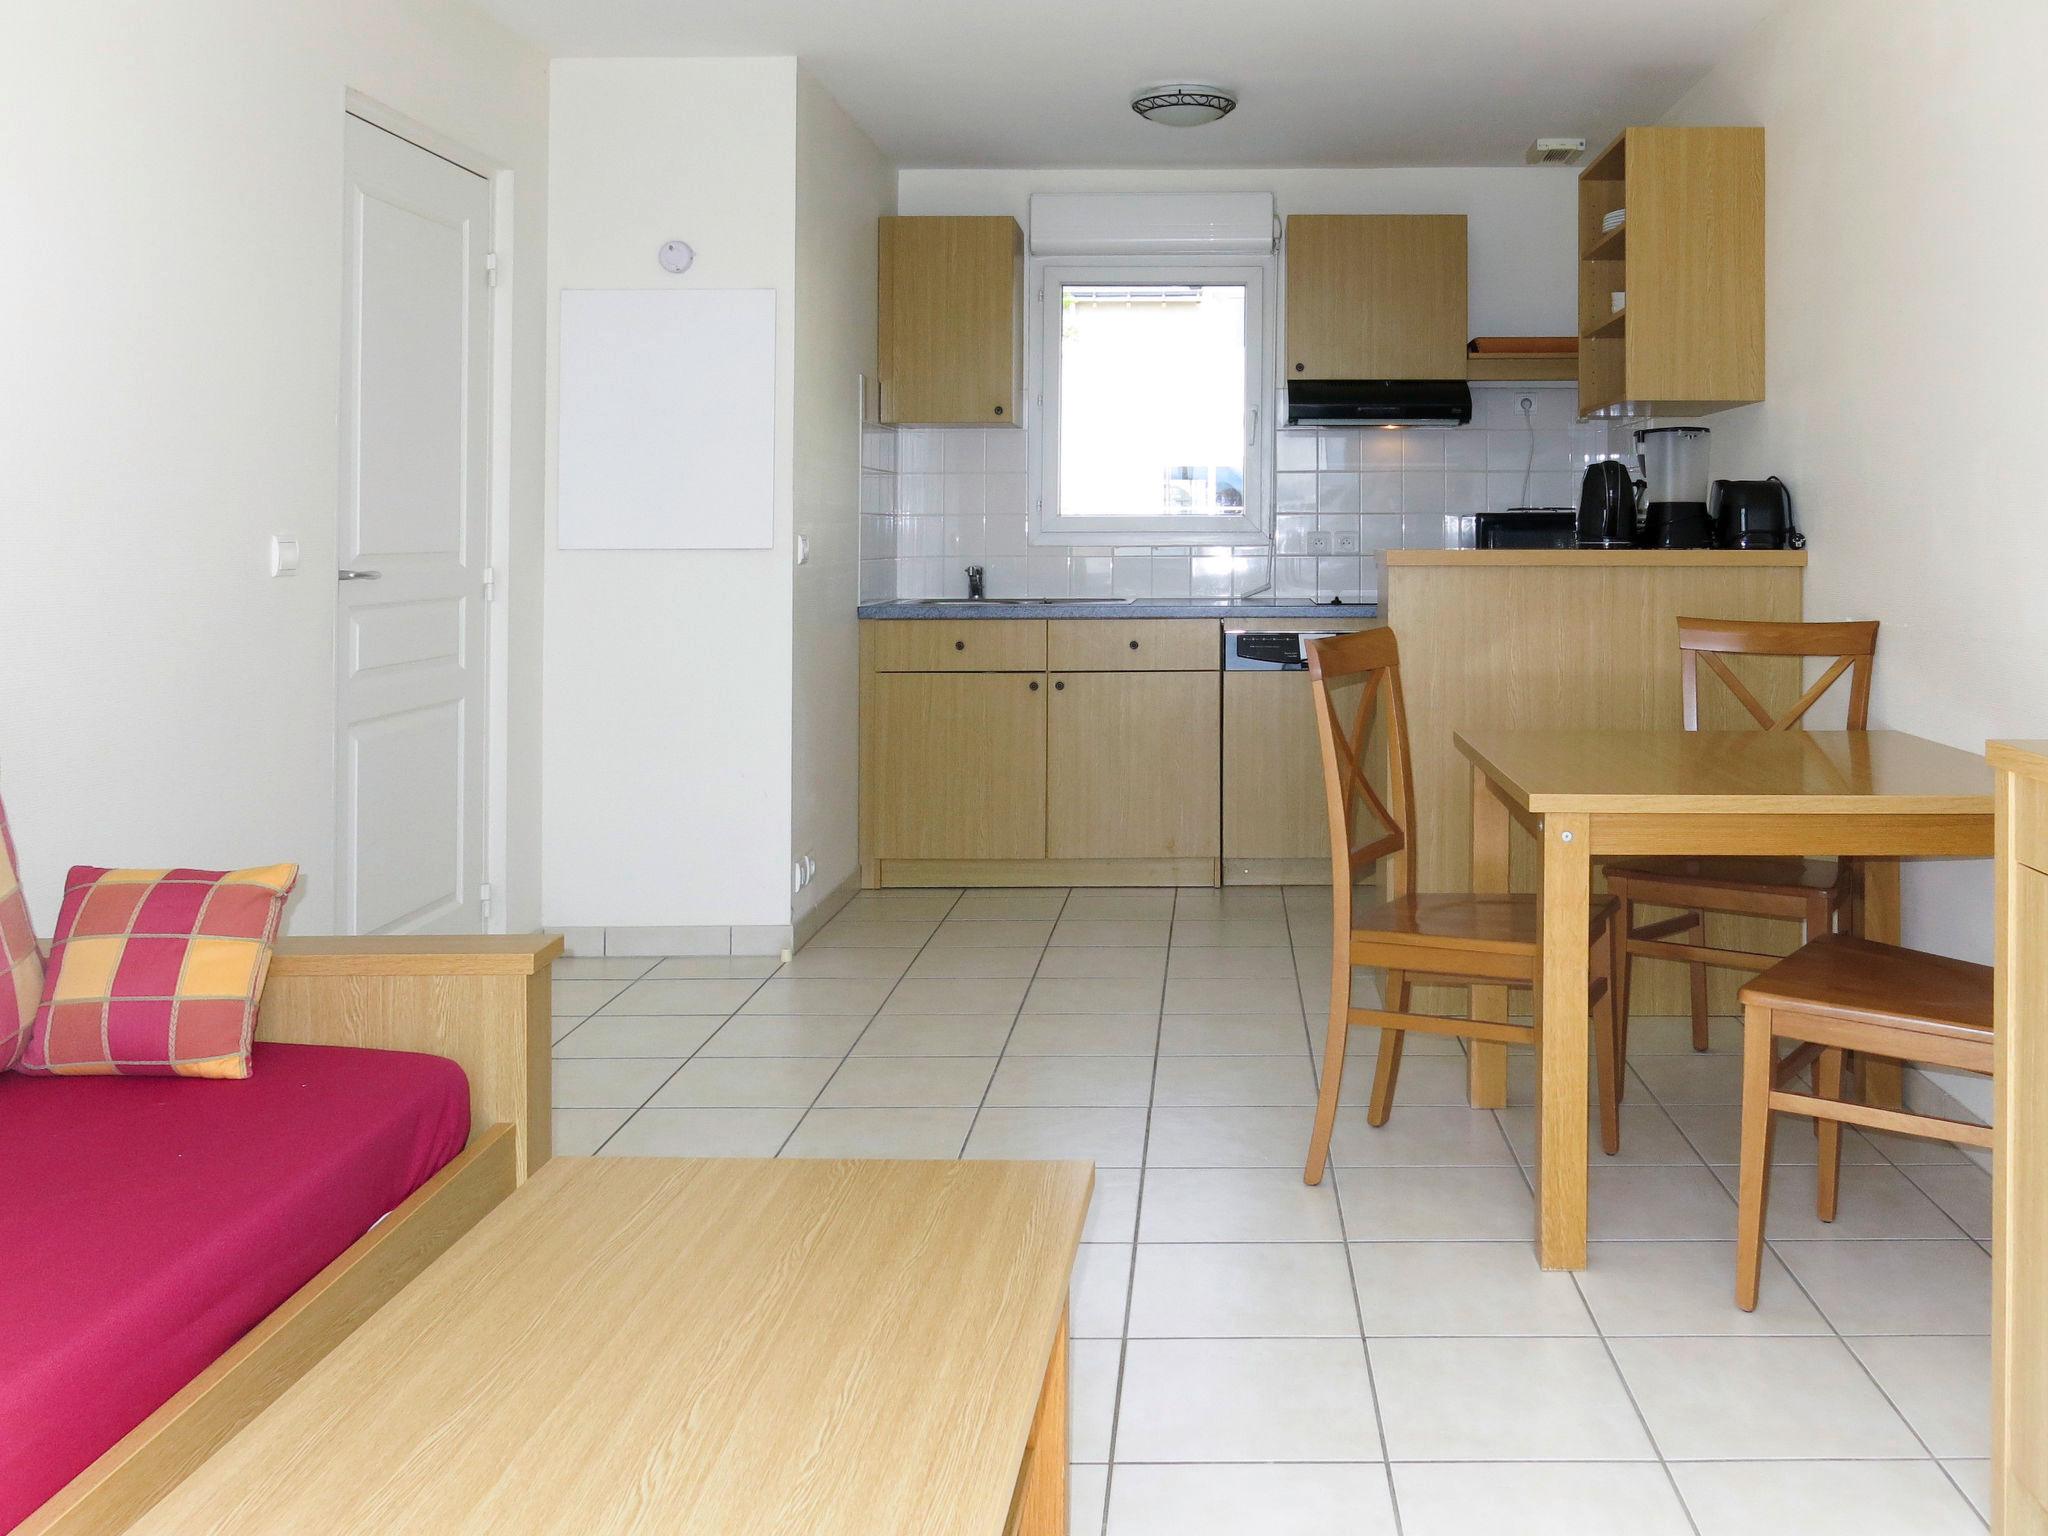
x=759, y=983
x=1003, y=1051
x=854, y=1044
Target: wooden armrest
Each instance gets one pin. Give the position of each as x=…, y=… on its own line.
x=484, y=1003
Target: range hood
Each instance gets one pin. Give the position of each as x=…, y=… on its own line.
x=1378, y=402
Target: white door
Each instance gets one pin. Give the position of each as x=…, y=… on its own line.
x=413, y=640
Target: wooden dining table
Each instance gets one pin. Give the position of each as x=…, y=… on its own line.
x=1585, y=795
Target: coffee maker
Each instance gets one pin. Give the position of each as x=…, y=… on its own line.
x=1673, y=462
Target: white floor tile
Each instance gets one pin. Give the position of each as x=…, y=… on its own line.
x=901, y=906
x=934, y=1035
x=1231, y=1034
x=1113, y=1209
x=1261, y=995
x=745, y=1082
x=1436, y=1204
x=975, y=964
x=1420, y=1138
x=1942, y=1386
x=1961, y=1189
x=845, y=965
x=1008, y=934
x=1539, y=1499
x=679, y=1035
x=1323, y=1499
x=1085, y=1034
x=880, y=1133
x=703, y=1133
x=1231, y=901
x=1427, y=1081
x=1242, y=1290
x=1087, y=1494
x=1825, y=1498
x=1756, y=1399
x=805, y=998
x=1092, y=1367
x=698, y=997
x=1655, y=1288
x=1237, y=1205
x=1113, y=1138
x=1110, y=933
x=1073, y=1081
x=859, y=930
x=908, y=1082
x=580, y=1132
x=1189, y=964
x=624, y=968
x=610, y=1083
x=1464, y=1289
x=1690, y=1079
x=1128, y=964
x=577, y=999
x=1648, y=1136
x=1974, y=1478
x=1246, y=1400
x=717, y=968
x=1119, y=905
x=767, y=1034
x=1008, y=906
x=1091, y=994
x=955, y=996
x=1872, y=1203
x=1231, y=932
x=1658, y=1202
x=1228, y=1138
x=1671, y=1034
x=1511, y=1399
x=1930, y=1287
x=1190, y=1082
x=1098, y=1290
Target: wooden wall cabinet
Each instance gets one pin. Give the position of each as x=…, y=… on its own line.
x=952, y=321
x=1376, y=296
x=1689, y=257
x=2019, y=1246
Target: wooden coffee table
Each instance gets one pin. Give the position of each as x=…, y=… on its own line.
x=695, y=1346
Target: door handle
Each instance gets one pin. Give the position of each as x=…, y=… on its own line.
x=358, y=575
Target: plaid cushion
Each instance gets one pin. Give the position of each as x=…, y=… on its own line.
x=156, y=972
x=21, y=963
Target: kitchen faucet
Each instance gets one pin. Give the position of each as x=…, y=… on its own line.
x=974, y=590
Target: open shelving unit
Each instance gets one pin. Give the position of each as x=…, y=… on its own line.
x=1689, y=256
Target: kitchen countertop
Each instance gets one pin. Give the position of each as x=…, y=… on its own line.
x=1138, y=608
x=1593, y=557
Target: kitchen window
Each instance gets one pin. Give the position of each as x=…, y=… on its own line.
x=1149, y=427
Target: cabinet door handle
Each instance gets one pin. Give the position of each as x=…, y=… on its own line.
x=1034, y=685
x=999, y=410
x=1059, y=687
x=1134, y=645
x=959, y=645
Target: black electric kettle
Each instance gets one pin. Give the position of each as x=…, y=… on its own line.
x=1607, y=507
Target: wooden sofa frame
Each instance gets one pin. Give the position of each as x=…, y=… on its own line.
x=482, y=1002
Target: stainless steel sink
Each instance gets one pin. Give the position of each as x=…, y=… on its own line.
x=1005, y=602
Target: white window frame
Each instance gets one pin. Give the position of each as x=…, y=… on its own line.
x=1248, y=526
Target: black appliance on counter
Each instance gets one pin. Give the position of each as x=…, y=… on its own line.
x=1607, y=507
x=1519, y=528
x=1753, y=514
x=1674, y=487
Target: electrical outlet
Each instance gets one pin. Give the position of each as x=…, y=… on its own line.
x=1320, y=543
x=1347, y=544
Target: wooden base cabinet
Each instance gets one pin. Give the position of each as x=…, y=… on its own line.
x=957, y=765
x=1131, y=765
x=2019, y=1307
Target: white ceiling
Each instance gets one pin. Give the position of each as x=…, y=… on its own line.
x=1322, y=82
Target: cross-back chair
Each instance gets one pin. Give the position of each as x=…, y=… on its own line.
x=1485, y=940
x=1814, y=892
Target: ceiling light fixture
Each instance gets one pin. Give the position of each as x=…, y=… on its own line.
x=1183, y=106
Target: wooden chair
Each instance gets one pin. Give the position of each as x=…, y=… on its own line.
x=1450, y=939
x=1814, y=892
x=1835, y=996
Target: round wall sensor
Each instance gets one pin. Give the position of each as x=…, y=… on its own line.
x=676, y=256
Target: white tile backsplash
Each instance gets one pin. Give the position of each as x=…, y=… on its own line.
x=936, y=499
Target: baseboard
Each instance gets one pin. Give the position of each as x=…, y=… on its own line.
x=709, y=939
x=828, y=907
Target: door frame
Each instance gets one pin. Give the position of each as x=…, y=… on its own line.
x=497, y=490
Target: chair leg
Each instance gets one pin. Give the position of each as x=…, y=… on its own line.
x=1387, y=1071
x=1607, y=1039
x=1333, y=1073
x=1699, y=987
x=1827, y=1083
x=1758, y=1054
x=1624, y=973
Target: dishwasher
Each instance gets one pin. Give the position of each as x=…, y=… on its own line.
x=1274, y=825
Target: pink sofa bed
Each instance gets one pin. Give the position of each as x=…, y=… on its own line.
x=149, y=1222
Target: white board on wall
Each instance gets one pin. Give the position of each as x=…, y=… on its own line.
x=667, y=402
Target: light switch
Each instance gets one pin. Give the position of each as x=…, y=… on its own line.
x=284, y=555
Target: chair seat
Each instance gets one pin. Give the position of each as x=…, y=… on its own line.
x=1511, y=924
x=1880, y=984
x=1732, y=874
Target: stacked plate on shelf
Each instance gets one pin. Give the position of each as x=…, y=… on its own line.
x=1613, y=221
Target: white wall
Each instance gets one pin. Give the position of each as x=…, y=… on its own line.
x=1522, y=228
x=169, y=323
x=667, y=739
x=843, y=185
x=1907, y=320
